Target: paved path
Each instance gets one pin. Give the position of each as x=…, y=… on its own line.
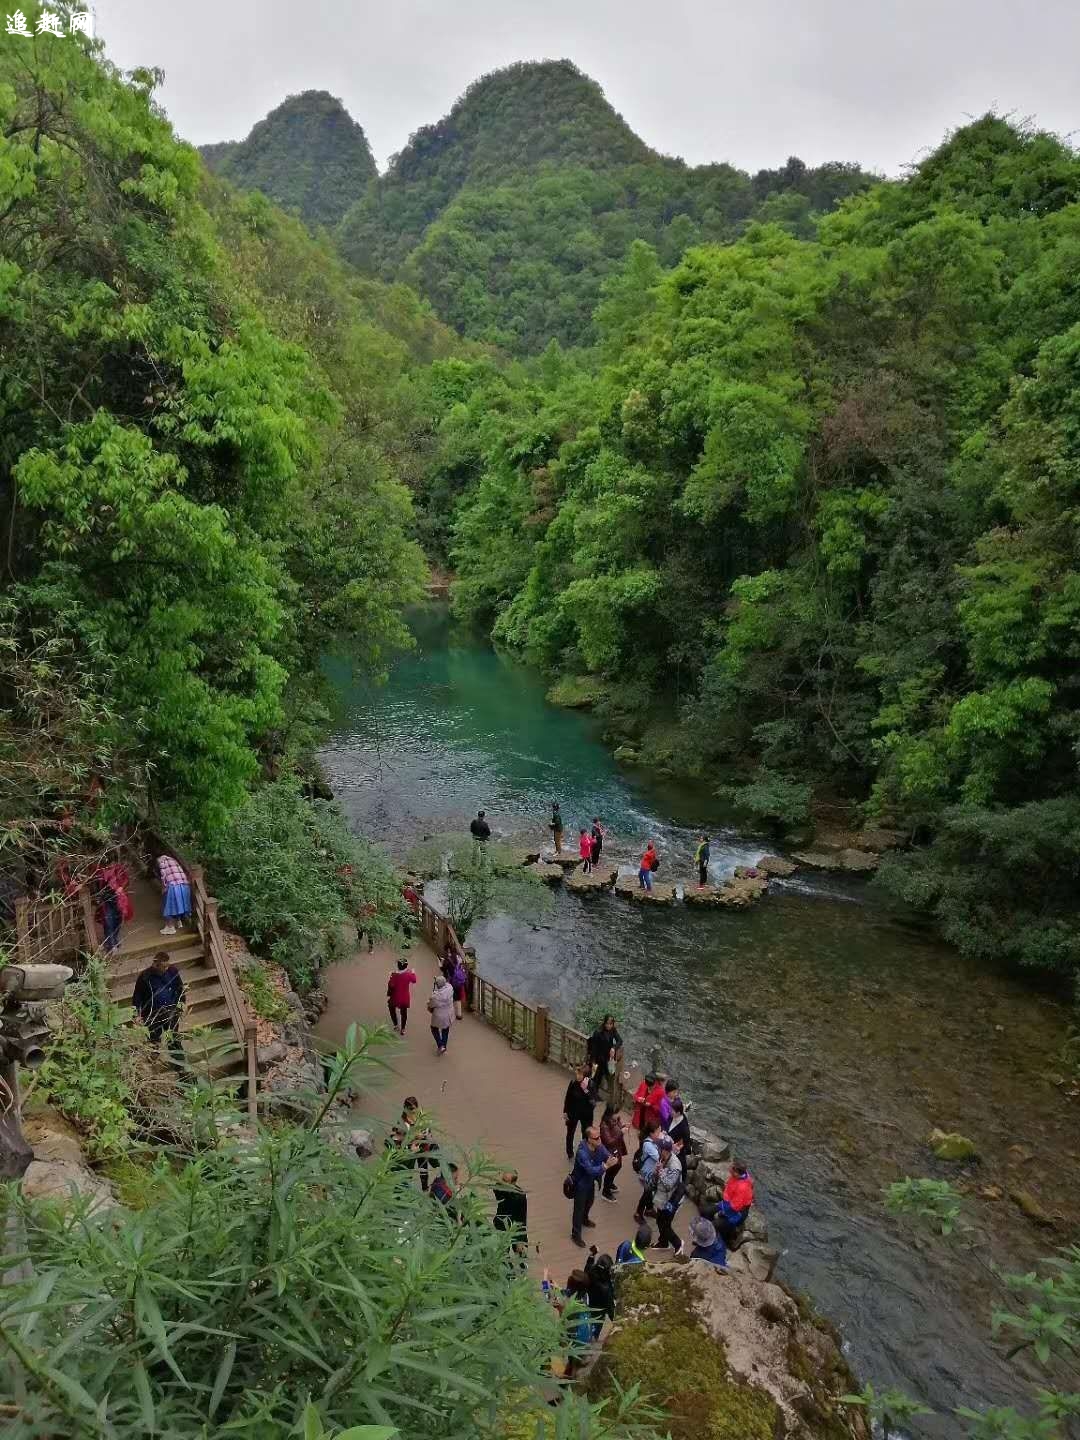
x=485, y=1096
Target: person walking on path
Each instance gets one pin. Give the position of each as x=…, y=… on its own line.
x=597, y=838
x=613, y=1140
x=585, y=852
x=590, y=1163
x=114, y=907
x=647, y=1169
x=650, y=861
x=667, y=1197
x=176, y=893
x=577, y=1107
x=158, y=999
x=399, y=985
x=556, y=826
x=701, y=860
x=457, y=974
x=605, y=1054
x=441, y=1005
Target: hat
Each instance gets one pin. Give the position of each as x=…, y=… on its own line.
x=703, y=1232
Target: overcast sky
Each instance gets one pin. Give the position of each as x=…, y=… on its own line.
x=749, y=81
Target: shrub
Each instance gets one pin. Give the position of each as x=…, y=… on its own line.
x=778, y=799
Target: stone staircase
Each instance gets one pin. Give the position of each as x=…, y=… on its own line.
x=218, y=1055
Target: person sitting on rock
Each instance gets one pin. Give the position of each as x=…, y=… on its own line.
x=632, y=1252
x=733, y=1209
x=707, y=1244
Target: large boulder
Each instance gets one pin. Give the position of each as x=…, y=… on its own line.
x=59, y=1170
x=754, y=1364
x=777, y=866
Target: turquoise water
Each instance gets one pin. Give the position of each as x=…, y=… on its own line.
x=821, y=1033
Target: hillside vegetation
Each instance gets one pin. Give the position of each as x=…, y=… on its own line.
x=309, y=155
x=817, y=497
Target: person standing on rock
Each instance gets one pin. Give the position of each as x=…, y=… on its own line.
x=613, y=1139
x=441, y=1005
x=399, y=985
x=701, y=860
x=158, y=999
x=585, y=852
x=590, y=1163
x=650, y=861
x=577, y=1107
x=480, y=830
x=667, y=1197
x=556, y=826
x=597, y=840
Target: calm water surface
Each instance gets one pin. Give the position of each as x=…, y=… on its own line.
x=823, y=1034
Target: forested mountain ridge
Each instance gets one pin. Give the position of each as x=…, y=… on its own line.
x=308, y=154
x=824, y=490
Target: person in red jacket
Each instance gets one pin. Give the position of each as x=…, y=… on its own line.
x=647, y=1099
x=399, y=985
x=650, y=861
x=733, y=1209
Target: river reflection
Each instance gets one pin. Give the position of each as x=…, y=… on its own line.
x=820, y=1033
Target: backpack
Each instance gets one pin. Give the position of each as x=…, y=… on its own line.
x=654, y=863
x=639, y=1159
x=460, y=976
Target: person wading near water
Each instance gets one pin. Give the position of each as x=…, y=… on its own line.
x=650, y=861
x=701, y=860
x=556, y=826
x=441, y=1005
x=399, y=984
x=158, y=999
x=585, y=852
x=590, y=1163
x=577, y=1107
x=605, y=1055
x=613, y=1140
x=597, y=840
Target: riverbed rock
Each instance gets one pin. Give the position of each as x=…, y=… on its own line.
x=267, y=1055
x=627, y=755
x=1028, y=1206
x=948, y=1145
x=760, y=1364
x=660, y=894
x=602, y=877
x=564, y=859
x=549, y=874
x=59, y=1169
x=777, y=866
x=752, y=1258
x=852, y=860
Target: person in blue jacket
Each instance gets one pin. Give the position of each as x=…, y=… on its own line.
x=158, y=999
x=632, y=1252
x=707, y=1244
x=590, y=1163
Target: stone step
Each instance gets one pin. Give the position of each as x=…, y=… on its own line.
x=211, y=1012
x=131, y=964
x=196, y=977
x=144, y=948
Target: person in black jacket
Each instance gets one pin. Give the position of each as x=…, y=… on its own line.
x=158, y=998
x=601, y=1272
x=679, y=1130
x=512, y=1208
x=577, y=1107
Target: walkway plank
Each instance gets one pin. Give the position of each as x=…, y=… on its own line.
x=485, y=1096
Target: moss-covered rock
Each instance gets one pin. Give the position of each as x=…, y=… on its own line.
x=577, y=692
x=950, y=1146
x=726, y=1357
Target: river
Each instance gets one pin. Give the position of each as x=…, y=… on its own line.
x=821, y=1032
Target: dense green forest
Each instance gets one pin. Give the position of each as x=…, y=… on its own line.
x=827, y=486
x=308, y=154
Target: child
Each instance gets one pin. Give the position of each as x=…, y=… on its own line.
x=585, y=851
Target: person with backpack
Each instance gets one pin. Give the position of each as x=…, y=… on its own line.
x=585, y=851
x=668, y=1195
x=613, y=1139
x=650, y=861
x=578, y=1107
x=601, y=1272
x=441, y=1005
x=399, y=985
x=632, y=1252
x=701, y=860
x=647, y=1162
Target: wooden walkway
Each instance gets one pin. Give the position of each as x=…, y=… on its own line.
x=485, y=1096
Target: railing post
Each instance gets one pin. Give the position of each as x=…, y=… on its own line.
x=210, y=912
x=541, y=1034
x=250, y=1033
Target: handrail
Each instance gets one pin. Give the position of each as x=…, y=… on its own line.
x=244, y=1026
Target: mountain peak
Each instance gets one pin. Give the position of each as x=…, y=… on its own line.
x=308, y=154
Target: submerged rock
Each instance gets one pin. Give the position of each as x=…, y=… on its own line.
x=602, y=877
x=777, y=866
x=753, y=1363
x=947, y=1145
x=855, y=861
x=660, y=894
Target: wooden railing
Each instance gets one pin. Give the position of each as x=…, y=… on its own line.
x=50, y=931
x=528, y=1027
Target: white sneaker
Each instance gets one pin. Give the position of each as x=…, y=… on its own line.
x=168, y=930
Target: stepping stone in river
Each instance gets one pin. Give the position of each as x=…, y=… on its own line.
x=550, y=874
x=660, y=894
x=602, y=878
x=776, y=865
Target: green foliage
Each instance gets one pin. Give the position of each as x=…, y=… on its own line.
x=291, y=878
x=889, y=1410
x=779, y=799
x=308, y=154
x=89, y=1072
x=592, y=1008
x=266, y=1001
x=277, y=1290
x=933, y=1202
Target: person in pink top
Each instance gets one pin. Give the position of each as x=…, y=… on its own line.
x=399, y=983
x=585, y=851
